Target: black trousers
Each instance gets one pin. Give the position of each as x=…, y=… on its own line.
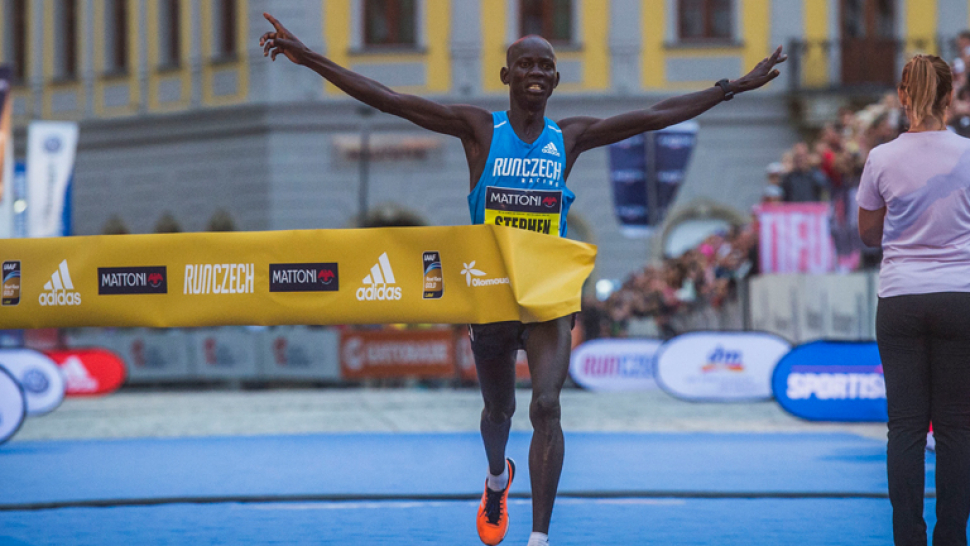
x=924, y=344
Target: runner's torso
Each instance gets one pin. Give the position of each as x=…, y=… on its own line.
x=522, y=185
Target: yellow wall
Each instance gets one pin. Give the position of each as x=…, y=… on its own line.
x=815, y=63
x=921, y=18
x=654, y=17
x=436, y=56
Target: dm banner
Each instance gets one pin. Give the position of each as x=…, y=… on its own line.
x=458, y=274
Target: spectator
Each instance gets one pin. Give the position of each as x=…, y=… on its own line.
x=805, y=182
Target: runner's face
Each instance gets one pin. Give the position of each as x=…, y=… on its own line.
x=531, y=74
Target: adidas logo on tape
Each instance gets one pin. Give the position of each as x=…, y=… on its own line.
x=377, y=285
x=551, y=149
x=60, y=289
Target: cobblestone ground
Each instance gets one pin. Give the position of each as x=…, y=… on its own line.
x=291, y=411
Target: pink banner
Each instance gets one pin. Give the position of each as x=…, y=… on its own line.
x=795, y=238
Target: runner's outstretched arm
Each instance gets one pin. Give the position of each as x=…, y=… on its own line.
x=587, y=132
x=451, y=120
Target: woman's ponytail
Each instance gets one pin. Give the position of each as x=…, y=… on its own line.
x=928, y=83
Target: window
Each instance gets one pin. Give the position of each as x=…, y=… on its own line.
x=551, y=19
x=65, y=40
x=225, y=16
x=116, y=40
x=705, y=20
x=169, y=33
x=389, y=23
x=16, y=45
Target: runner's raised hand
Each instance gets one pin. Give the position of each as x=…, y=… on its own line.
x=761, y=74
x=282, y=41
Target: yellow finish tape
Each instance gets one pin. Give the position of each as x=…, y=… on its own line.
x=460, y=274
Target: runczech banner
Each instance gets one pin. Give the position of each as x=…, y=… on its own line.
x=459, y=274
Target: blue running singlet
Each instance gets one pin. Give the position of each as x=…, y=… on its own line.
x=522, y=185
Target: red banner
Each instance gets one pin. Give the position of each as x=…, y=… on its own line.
x=795, y=238
x=90, y=372
x=371, y=354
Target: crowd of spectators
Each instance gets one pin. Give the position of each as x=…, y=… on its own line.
x=706, y=276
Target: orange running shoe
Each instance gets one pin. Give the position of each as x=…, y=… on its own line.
x=493, y=515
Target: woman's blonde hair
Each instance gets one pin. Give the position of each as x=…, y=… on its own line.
x=928, y=83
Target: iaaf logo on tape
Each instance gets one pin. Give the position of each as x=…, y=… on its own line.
x=132, y=280
x=315, y=277
x=471, y=276
x=219, y=279
x=377, y=289
x=60, y=289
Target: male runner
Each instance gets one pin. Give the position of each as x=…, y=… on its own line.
x=513, y=153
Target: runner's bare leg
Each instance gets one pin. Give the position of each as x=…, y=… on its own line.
x=497, y=380
x=548, y=349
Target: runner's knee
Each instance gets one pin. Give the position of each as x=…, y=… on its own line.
x=499, y=413
x=545, y=408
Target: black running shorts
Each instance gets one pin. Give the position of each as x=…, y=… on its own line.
x=498, y=339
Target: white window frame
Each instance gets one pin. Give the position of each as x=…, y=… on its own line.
x=673, y=25
x=513, y=8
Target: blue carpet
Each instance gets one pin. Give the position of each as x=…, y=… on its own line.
x=579, y=522
x=432, y=464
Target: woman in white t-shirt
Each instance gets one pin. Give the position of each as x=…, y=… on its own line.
x=914, y=199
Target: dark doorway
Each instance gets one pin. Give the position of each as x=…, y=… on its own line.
x=868, y=42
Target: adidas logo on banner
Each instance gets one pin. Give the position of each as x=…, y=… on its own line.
x=551, y=149
x=60, y=289
x=77, y=377
x=377, y=289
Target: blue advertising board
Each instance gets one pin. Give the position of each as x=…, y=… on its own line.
x=832, y=381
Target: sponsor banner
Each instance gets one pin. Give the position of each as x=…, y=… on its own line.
x=132, y=280
x=89, y=372
x=434, y=280
x=376, y=354
x=719, y=366
x=649, y=167
x=212, y=279
x=43, y=382
x=8, y=195
x=612, y=365
x=51, y=149
x=832, y=381
x=533, y=210
x=13, y=405
x=297, y=352
x=303, y=277
x=226, y=353
x=795, y=238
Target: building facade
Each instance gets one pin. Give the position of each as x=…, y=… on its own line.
x=181, y=114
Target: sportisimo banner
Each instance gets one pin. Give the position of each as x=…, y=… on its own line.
x=832, y=381
x=476, y=274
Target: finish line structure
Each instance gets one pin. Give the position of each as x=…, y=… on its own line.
x=458, y=274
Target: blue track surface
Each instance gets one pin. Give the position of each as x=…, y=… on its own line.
x=653, y=477
x=408, y=465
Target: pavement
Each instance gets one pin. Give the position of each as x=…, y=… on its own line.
x=170, y=414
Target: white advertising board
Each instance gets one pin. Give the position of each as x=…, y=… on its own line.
x=154, y=355
x=615, y=364
x=13, y=405
x=41, y=378
x=720, y=366
x=299, y=352
x=226, y=353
